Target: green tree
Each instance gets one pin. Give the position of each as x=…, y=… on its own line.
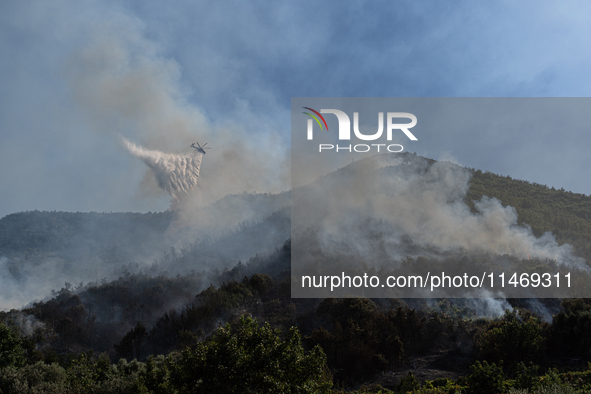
x=512, y=341
x=250, y=360
x=131, y=344
x=527, y=376
x=570, y=333
x=11, y=352
x=363, y=339
x=407, y=384
x=485, y=378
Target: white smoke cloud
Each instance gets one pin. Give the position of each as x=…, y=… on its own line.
x=430, y=208
x=488, y=307
x=22, y=282
x=386, y=207
x=175, y=173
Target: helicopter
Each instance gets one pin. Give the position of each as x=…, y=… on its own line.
x=199, y=148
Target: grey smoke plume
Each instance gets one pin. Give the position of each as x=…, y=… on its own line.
x=489, y=307
x=430, y=209
x=389, y=206
x=124, y=86
x=175, y=173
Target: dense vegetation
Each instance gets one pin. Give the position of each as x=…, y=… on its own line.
x=345, y=342
x=239, y=330
x=235, y=359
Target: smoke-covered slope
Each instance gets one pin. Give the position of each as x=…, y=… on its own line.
x=178, y=309
x=566, y=214
x=39, y=251
x=443, y=207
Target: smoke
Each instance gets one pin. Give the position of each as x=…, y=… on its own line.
x=379, y=210
x=175, y=173
x=26, y=325
x=488, y=307
x=125, y=87
x=425, y=203
x=23, y=281
x=131, y=97
x=477, y=307
x=430, y=209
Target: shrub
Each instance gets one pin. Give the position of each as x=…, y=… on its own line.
x=527, y=376
x=252, y=359
x=11, y=351
x=407, y=383
x=485, y=378
x=512, y=341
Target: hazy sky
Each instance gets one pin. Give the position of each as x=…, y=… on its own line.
x=75, y=74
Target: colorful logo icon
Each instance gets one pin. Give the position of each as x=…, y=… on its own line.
x=315, y=118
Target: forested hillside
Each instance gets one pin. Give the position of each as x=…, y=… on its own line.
x=66, y=232
x=235, y=327
x=39, y=251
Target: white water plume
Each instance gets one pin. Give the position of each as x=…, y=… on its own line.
x=175, y=173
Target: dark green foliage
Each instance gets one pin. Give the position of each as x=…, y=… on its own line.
x=260, y=295
x=527, y=376
x=570, y=333
x=35, y=378
x=512, y=340
x=201, y=315
x=68, y=318
x=408, y=383
x=261, y=283
x=247, y=358
x=100, y=315
x=11, y=352
x=82, y=375
x=131, y=344
x=362, y=340
x=176, y=374
x=251, y=359
x=485, y=378
x=361, y=336
x=441, y=386
x=157, y=375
